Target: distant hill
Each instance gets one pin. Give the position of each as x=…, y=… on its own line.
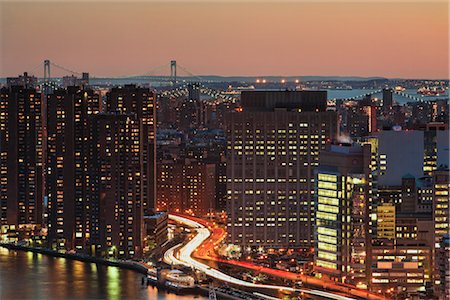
x=291, y=78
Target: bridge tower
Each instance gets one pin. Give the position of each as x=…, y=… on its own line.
x=46, y=76
x=173, y=71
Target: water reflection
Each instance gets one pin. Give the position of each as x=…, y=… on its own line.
x=26, y=275
x=112, y=283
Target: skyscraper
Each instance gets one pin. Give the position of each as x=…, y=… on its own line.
x=21, y=157
x=274, y=141
x=142, y=102
x=342, y=236
x=67, y=177
x=115, y=185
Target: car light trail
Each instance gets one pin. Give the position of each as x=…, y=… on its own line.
x=203, y=233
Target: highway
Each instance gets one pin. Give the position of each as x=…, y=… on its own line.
x=203, y=233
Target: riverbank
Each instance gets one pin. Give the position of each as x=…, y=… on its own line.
x=126, y=264
x=130, y=265
x=31, y=276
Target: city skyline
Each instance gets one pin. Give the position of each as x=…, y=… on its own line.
x=253, y=39
x=291, y=149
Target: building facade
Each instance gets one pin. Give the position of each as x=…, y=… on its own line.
x=131, y=99
x=67, y=177
x=115, y=189
x=441, y=216
x=21, y=157
x=186, y=186
x=274, y=141
x=402, y=267
x=342, y=239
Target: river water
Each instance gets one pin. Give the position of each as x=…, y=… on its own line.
x=27, y=275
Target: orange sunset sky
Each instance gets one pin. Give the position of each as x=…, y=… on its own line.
x=391, y=39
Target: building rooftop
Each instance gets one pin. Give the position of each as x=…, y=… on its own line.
x=263, y=100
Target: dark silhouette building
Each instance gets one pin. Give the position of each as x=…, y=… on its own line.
x=21, y=157
x=387, y=99
x=115, y=186
x=131, y=99
x=67, y=178
x=24, y=81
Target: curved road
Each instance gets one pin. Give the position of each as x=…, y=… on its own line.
x=203, y=233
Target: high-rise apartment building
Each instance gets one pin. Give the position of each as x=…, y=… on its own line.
x=274, y=140
x=131, y=99
x=342, y=239
x=115, y=185
x=169, y=186
x=67, y=176
x=187, y=186
x=21, y=157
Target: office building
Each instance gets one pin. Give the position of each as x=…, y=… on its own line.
x=401, y=267
x=436, y=147
x=386, y=221
x=273, y=147
x=441, y=203
x=342, y=239
x=67, y=177
x=413, y=152
x=21, y=157
x=443, y=268
x=416, y=226
x=441, y=217
x=414, y=195
x=131, y=99
x=156, y=229
x=358, y=119
x=399, y=153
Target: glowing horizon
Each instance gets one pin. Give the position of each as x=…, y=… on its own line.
x=393, y=40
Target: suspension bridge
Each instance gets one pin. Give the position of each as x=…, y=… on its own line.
x=173, y=84
x=379, y=92
x=155, y=74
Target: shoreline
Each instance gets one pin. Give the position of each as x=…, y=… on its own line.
x=130, y=265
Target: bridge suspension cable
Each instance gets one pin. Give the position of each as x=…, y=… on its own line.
x=151, y=72
x=64, y=68
x=190, y=73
